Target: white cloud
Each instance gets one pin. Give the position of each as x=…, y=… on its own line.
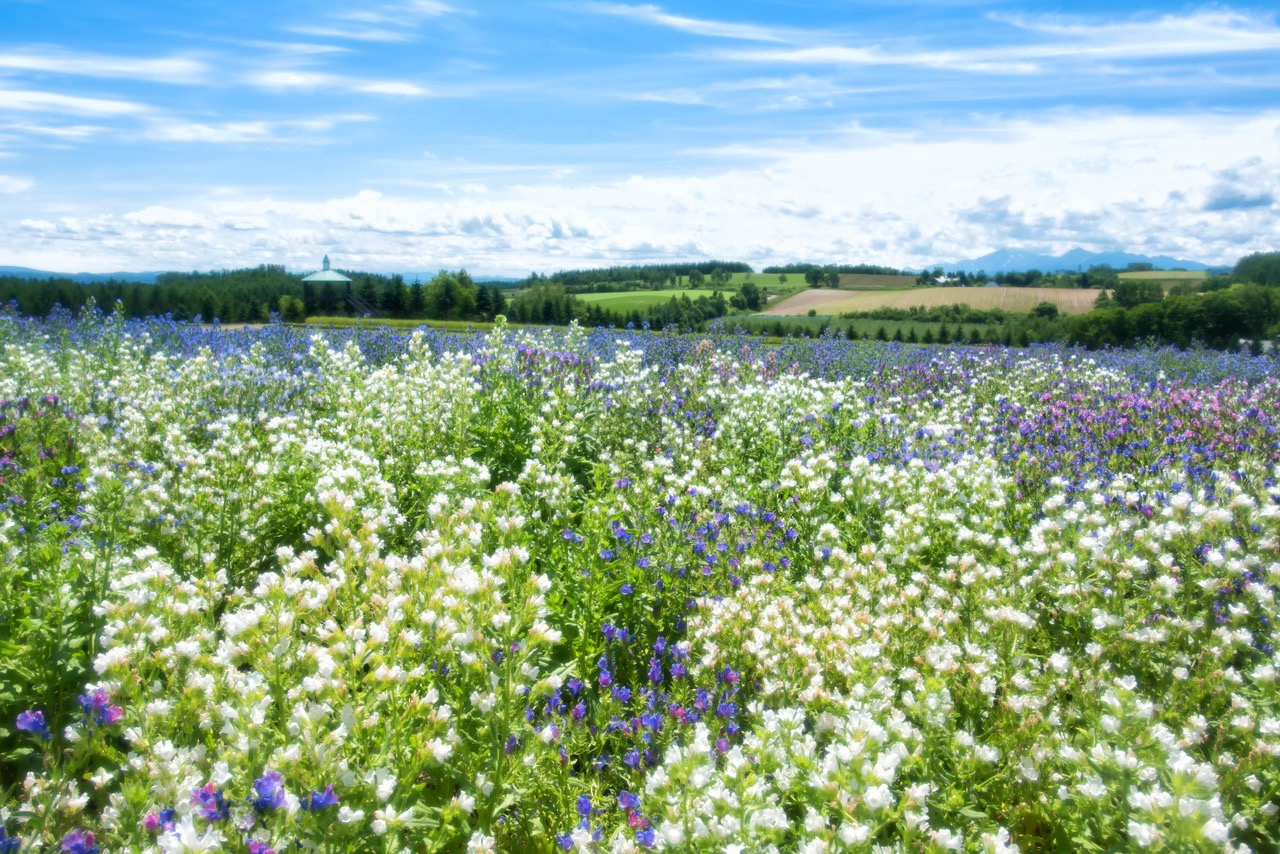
x=311, y=81
x=293, y=79
x=53, y=102
x=160, y=216
x=1065, y=41
x=172, y=69
x=182, y=130
x=1010, y=61
x=362, y=34
x=64, y=132
x=395, y=22
x=14, y=184
x=402, y=14
x=1204, y=32
x=391, y=87
x=656, y=16
x=1158, y=184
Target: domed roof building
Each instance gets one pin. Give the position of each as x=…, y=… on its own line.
x=326, y=275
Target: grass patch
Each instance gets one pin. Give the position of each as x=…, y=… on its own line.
x=1167, y=275
x=339, y=322
x=868, y=281
x=627, y=301
x=858, y=328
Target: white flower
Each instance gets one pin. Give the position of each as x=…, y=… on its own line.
x=479, y=843
x=1215, y=831
x=877, y=798
x=184, y=837
x=1145, y=835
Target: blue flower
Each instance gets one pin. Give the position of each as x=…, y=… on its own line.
x=210, y=804
x=98, y=709
x=80, y=842
x=317, y=801
x=32, y=721
x=8, y=843
x=269, y=791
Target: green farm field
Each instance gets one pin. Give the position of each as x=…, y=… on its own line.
x=1167, y=275
x=625, y=301
x=1168, y=279
x=341, y=322
x=854, y=328
x=868, y=281
x=1012, y=300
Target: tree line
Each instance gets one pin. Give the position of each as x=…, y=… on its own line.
x=1217, y=312
x=254, y=295
x=637, y=276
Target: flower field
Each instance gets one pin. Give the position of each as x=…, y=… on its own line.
x=369, y=590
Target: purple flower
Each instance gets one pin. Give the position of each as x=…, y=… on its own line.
x=317, y=801
x=79, y=842
x=628, y=800
x=8, y=843
x=32, y=721
x=210, y=804
x=269, y=791
x=584, y=806
x=159, y=822
x=98, y=709
x=256, y=847
x=644, y=838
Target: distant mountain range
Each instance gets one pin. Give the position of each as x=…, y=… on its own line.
x=83, y=278
x=1075, y=260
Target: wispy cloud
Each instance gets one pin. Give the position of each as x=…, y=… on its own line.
x=1060, y=40
x=298, y=79
x=400, y=14
x=262, y=131
x=64, y=132
x=394, y=22
x=391, y=87
x=14, y=184
x=171, y=69
x=1202, y=33
x=656, y=16
x=985, y=61
x=27, y=100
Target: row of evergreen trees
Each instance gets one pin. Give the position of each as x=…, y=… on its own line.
x=253, y=295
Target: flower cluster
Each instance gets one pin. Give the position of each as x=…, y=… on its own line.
x=622, y=591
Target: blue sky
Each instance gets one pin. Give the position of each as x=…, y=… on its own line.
x=548, y=134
